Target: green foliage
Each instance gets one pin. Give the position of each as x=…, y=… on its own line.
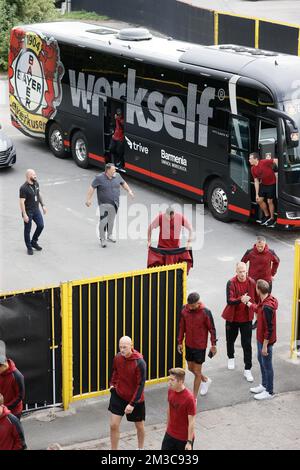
x=13, y=12
x=80, y=15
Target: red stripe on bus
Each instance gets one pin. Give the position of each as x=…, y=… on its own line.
x=239, y=210
x=97, y=157
x=67, y=143
x=164, y=179
x=296, y=223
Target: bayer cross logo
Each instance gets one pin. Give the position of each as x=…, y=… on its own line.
x=35, y=73
x=221, y=94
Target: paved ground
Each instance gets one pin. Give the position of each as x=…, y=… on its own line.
x=269, y=425
x=278, y=10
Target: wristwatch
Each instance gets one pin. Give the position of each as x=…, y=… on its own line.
x=190, y=442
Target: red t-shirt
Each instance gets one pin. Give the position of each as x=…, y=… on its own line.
x=119, y=130
x=170, y=229
x=264, y=172
x=181, y=405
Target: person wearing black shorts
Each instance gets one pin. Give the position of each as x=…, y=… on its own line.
x=196, y=321
x=117, y=406
x=127, y=392
x=265, y=186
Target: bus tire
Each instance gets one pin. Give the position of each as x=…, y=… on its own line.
x=56, y=141
x=80, y=150
x=218, y=201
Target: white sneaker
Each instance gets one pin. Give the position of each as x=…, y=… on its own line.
x=111, y=239
x=258, y=389
x=231, y=364
x=248, y=376
x=205, y=386
x=263, y=396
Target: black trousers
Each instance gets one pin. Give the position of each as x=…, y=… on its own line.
x=232, y=331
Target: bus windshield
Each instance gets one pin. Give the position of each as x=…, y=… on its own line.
x=291, y=155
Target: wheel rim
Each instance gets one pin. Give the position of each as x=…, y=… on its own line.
x=219, y=200
x=80, y=150
x=56, y=140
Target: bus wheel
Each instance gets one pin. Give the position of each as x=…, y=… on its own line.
x=80, y=149
x=56, y=141
x=217, y=200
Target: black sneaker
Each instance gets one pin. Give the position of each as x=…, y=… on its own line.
x=29, y=251
x=36, y=246
x=264, y=220
x=270, y=223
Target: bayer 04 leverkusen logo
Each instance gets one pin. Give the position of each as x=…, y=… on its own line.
x=35, y=73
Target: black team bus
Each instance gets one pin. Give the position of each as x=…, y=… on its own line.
x=192, y=114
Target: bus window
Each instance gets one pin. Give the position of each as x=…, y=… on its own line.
x=239, y=151
x=267, y=139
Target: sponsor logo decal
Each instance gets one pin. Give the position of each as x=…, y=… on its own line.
x=173, y=161
x=35, y=73
x=137, y=146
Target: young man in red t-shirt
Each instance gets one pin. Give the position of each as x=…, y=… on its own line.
x=170, y=225
x=181, y=414
x=265, y=186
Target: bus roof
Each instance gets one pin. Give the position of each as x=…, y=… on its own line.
x=275, y=70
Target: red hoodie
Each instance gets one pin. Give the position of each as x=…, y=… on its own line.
x=266, y=319
x=128, y=377
x=11, y=431
x=235, y=310
x=195, y=325
x=262, y=265
x=12, y=388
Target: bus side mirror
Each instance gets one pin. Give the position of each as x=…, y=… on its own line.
x=292, y=134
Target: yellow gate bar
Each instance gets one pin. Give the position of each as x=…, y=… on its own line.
x=296, y=301
x=216, y=28
x=67, y=346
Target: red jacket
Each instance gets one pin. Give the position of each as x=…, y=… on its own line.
x=234, y=299
x=128, y=377
x=12, y=388
x=266, y=319
x=262, y=265
x=11, y=431
x=195, y=325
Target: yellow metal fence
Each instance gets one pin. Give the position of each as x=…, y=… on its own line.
x=295, y=336
x=144, y=305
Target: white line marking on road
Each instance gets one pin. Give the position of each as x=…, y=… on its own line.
x=225, y=258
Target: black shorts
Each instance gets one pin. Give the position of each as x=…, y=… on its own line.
x=170, y=443
x=268, y=192
x=195, y=355
x=117, y=406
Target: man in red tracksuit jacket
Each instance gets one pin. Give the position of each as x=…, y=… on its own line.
x=11, y=430
x=266, y=338
x=127, y=391
x=11, y=385
x=263, y=262
x=238, y=316
x=196, y=321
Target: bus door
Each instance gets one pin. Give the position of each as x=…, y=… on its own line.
x=239, y=194
x=112, y=108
